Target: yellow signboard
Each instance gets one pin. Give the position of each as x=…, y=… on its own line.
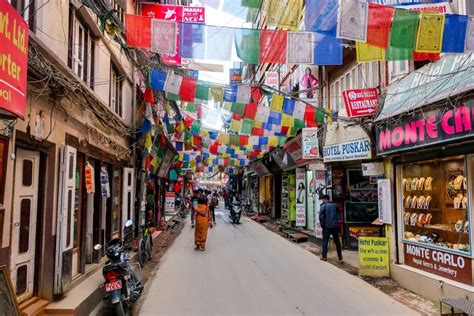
x=374, y=256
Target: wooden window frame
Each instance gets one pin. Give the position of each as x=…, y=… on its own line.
x=3, y=167
x=116, y=91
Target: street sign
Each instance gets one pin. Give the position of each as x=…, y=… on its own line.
x=361, y=102
x=374, y=256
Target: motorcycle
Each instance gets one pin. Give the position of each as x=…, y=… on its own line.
x=122, y=285
x=235, y=212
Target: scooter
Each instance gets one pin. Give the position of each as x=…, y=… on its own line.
x=235, y=212
x=122, y=285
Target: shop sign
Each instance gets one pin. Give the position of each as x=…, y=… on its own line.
x=373, y=169
x=319, y=190
x=13, y=61
x=310, y=143
x=295, y=149
x=235, y=75
x=426, y=128
x=374, y=256
x=428, y=6
x=353, y=150
x=271, y=79
x=385, y=201
x=317, y=166
x=445, y=264
x=170, y=198
x=361, y=102
x=300, y=197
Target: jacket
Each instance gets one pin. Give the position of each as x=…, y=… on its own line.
x=328, y=216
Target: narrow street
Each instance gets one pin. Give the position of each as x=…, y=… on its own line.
x=248, y=270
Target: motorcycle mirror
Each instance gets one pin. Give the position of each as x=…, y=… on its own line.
x=128, y=223
x=98, y=247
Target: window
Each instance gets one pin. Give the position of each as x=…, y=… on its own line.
x=119, y=9
x=3, y=165
x=115, y=95
x=27, y=9
x=397, y=69
x=81, y=49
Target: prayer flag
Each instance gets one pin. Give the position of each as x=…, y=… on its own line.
x=397, y=54
x=234, y=140
x=300, y=48
x=257, y=131
x=284, y=14
x=230, y=93
x=273, y=46
x=158, y=79
x=236, y=125
x=173, y=83
x=192, y=40
x=298, y=124
x=187, y=89
x=262, y=113
x=288, y=106
x=192, y=107
x=227, y=106
x=300, y=109
x=425, y=56
x=251, y=3
x=256, y=94
x=352, y=16
x=148, y=142
x=327, y=50
x=138, y=31
x=243, y=140
x=470, y=34
x=321, y=16
x=219, y=40
x=238, y=108
x=430, y=33
x=287, y=120
x=277, y=103
x=217, y=94
x=274, y=118
x=454, y=37
x=250, y=111
x=404, y=29
x=310, y=113
x=148, y=96
x=247, y=44
x=379, y=23
x=202, y=91
x=164, y=36
x=197, y=141
x=247, y=126
x=368, y=53
x=243, y=94
x=196, y=128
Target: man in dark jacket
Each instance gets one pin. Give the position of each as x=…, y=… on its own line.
x=329, y=219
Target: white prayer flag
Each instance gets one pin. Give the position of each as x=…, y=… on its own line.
x=300, y=109
x=164, y=35
x=253, y=140
x=262, y=113
x=243, y=94
x=470, y=35
x=300, y=48
x=173, y=83
x=352, y=20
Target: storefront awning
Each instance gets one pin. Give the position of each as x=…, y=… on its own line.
x=436, y=81
x=283, y=159
x=260, y=168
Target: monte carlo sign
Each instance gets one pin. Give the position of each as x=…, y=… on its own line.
x=13, y=61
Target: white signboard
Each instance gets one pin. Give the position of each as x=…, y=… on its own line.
x=353, y=150
x=310, y=143
x=169, y=202
x=271, y=79
x=385, y=201
x=319, y=190
x=300, y=197
x=373, y=169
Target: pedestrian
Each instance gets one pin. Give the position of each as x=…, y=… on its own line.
x=212, y=206
x=329, y=219
x=194, y=202
x=203, y=223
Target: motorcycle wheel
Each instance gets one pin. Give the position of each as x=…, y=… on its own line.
x=121, y=309
x=142, y=255
x=148, y=247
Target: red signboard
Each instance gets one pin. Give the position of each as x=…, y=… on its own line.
x=445, y=264
x=174, y=13
x=361, y=102
x=13, y=61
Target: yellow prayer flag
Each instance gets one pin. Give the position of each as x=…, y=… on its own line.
x=224, y=138
x=192, y=162
x=227, y=106
x=148, y=141
x=287, y=120
x=284, y=14
x=203, y=132
x=430, y=33
x=329, y=116
x=368, y=53
x=273, y=141
x=236, y=125
x=217, y=94
x=277, y=103
x=257, y=123
x=154, y=162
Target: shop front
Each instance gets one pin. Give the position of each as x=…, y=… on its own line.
x=432, y=152
x=288, y=181
x=265, y=187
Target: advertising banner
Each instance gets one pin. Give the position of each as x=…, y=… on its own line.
x=319, y=190
x=170, y=198
x=385, y=200
x=310, y=143
x=353, y=150
x=174, y=13
x=429, y=6
x=235, y=75
x=13, y=61
x=294, y=148
x=300, y=197
x=361, y=102
x=426, y=128
x=271, y=79
x=445, y=264
x=372, y=169
x=374, y=256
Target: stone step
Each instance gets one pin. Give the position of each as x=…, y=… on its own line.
x=33, y=307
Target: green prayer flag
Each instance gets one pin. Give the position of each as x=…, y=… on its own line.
x=172, y=96
x=170, y=128
x=238, y=108
x=252, y=14
x=187, y=135
x=247, y=125
x=247, y=43
x=251, y=3
x=192, y=107
x=404, y=29
x=196, y=127
x=298, y=124
x=234, y=140
x=394, y=54
x=281, y=141
x=320, y=116
x=202, y=92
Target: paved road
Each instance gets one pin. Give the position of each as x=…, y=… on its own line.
x=248, y=270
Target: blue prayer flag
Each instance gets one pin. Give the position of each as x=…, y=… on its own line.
x=230, y=93
x=289, y=106
x=327, y=50
x=274, y=118
x=158, y=79
x=321, y=16
x=455, y=28
x=192, y=44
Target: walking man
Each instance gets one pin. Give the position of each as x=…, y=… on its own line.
x=329, y=218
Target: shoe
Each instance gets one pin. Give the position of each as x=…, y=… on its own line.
x=340, y=260
x=323, y=259
x=197, y=248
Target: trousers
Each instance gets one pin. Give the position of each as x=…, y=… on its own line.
x=327, y=232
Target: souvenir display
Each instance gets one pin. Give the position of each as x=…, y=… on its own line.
x=435, y=203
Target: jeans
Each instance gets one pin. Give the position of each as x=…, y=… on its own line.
x=327, y=232
x=213, y=212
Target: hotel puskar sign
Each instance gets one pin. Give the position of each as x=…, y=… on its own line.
x=426, y=128
x=445, y=264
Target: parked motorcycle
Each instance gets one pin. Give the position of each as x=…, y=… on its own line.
x=122, y=285
x=235, y=212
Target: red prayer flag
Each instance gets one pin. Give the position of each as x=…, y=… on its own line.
x=256, y=94
x=257, y=131
x=237, y=117
x=147, y=161
x=199, y=111
x=188, y=121
x=379, y=25
x=309, y=113
x=149, y=96
x=250, y=111
x=243, y=140
x=226, y=161
x=197, y=141
x=138, y=31
x=187, y=89
x=213, y=148
x=273, y=46
x=425, y=56
x=312, y=124
x=285, y=129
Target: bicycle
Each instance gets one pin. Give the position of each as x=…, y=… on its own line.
x=144, y=245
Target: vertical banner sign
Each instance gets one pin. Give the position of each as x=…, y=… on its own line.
x=169, y=202
x=320, y=190
x=385, y=201
x=300, y=197
x=235, y=75
x=310, y=143
x=13, y=61
x=373, y=256
x=174, y=13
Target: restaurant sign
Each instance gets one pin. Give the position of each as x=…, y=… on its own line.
x=361, y=102
x=448, y=265
x=426, y=128
x=354, y=150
